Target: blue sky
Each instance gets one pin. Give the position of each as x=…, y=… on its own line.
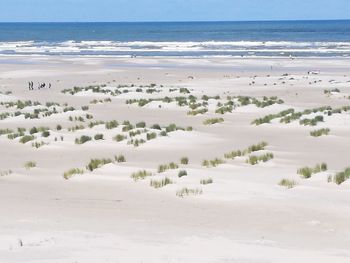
x=171, y=10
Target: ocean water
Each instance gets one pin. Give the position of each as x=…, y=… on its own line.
x=190, y=39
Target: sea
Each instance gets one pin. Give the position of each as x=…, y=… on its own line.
x=179, y=39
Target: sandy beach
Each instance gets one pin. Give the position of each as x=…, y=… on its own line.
x=186, y=168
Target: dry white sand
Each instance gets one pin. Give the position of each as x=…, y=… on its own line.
x=243, y=216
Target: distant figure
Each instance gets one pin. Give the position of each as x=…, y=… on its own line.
x=49, y=85
x=29, y=85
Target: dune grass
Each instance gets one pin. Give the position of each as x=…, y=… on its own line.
x=307, y=172
x=119, y=137
x=98, y=137
x=213, y=121
x=140, y=175
x=212, y=163
x=253, y=159
x=188, y=191
x=83, y=139
x=72, y=172
x=184, y=160
x=206, y=181
x=164, y=167
x=151, y=136
x=341, y=177
x=253, y=148
x=160, y=183
x=111, y=125
x=29, y=165
x=320, y=132
x=287, y=183
x=120, y=158
x=26, y=138
x=97, y=163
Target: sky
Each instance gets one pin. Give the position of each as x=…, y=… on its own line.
x=170, y=10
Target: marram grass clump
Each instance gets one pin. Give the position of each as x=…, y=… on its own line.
x=287, y=183
x=184, y=160
x=70, y=173
x=253, y=159
x=307, y=172
x=188, y=191
x=29, y=165
x=164, y=167
x=320, y=132
x=97, y=163
x=213, y=121
x=206, y=181
x=160, y=183
x=212, y=163
x=341, y=177
x=140, y=175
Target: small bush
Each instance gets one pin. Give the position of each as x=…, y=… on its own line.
x=29, y=165
x=119, y=137
x=164, y=167
x=111, y=125
x=141, y=124
x=83, y=139
x=120, y=159
x=318, y=133
x=26, y=138
x=58, y=127
x=182, y=173
x=287, y=183
x=156, y=127
x=307, y=172
x=45, y=134
x=212, y=163
x=99, y=136
x=33, y=130
x=184, y=160
x=151, y=136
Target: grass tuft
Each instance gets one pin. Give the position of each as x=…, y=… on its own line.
x=70, y=173
x=29, y=165
x=161, y=183
x=187, y=191
x=206, y=181
x=97, y=163
x=184, y=160
x=213, y=121
x=307, y=172
x=320, y=132
x=140, y=175
x=287, y=183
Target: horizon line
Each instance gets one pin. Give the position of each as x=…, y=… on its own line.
x=181, y=21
